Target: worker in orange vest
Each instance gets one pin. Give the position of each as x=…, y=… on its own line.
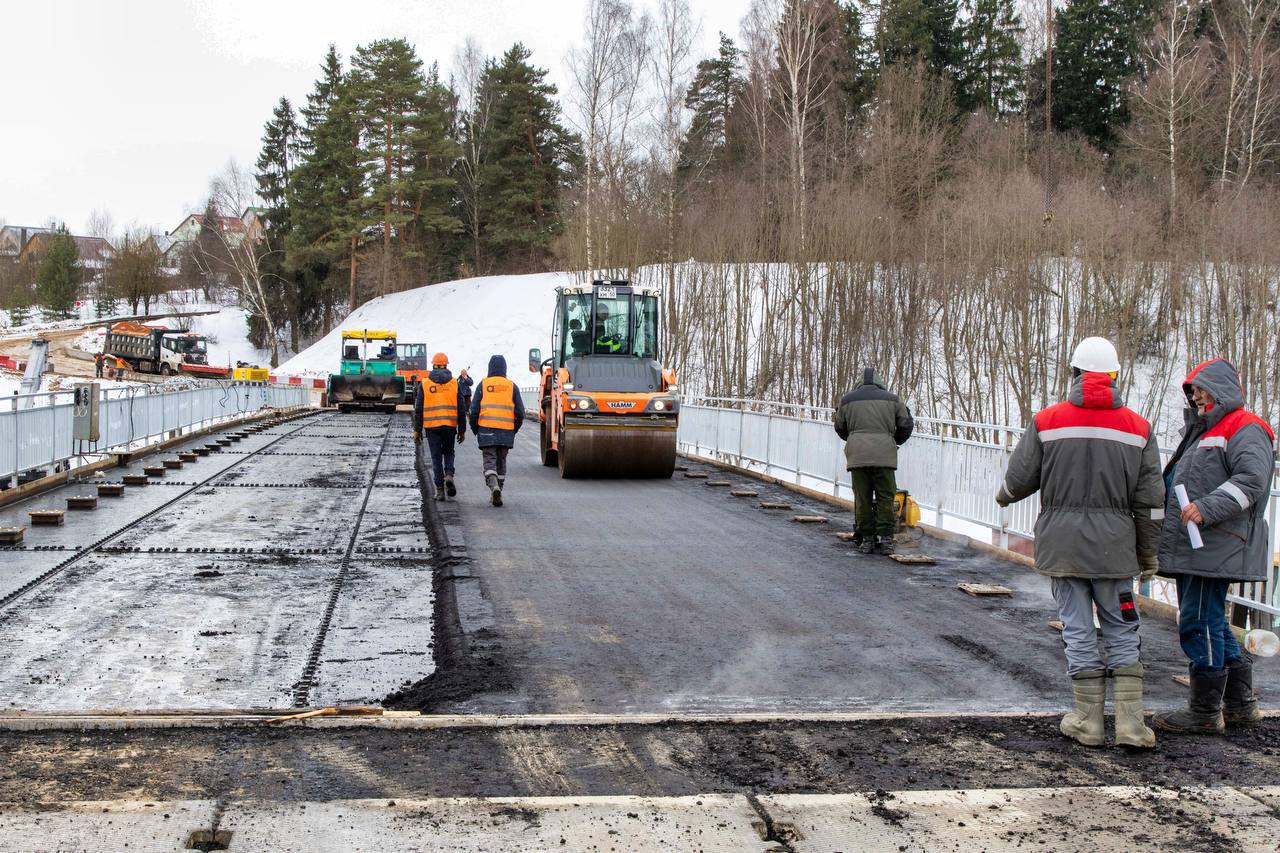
x=440, y=413
x=496, y=415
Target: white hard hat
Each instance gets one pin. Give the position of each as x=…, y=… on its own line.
x=1096, y=355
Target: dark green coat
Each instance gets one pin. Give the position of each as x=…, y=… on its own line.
x=873, y=423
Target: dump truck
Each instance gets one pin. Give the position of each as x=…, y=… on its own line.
x=366, y=377
x=606, y=405
x=157, y=349
x=412, y=364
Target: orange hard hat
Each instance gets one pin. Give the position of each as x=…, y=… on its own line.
x=439, y=360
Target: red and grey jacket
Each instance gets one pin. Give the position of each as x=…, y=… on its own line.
x=1226, y=461
x=1096, y=465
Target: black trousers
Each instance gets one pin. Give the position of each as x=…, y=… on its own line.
x=873, y=491
x=440, y=440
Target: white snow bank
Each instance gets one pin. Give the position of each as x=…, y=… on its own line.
x=468, y=320
x=228, y=334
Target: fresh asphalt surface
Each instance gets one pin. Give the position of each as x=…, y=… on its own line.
x=619, y=596
x=194, y=607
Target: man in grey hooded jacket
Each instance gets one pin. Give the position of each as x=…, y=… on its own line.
x=873, y=423
x=1096, y=465
x=1225, y=462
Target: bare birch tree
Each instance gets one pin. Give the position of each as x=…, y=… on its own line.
x=473, y=119
x=238, y=254
x=1170, y=101
x=802, y=46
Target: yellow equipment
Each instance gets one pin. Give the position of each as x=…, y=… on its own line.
x=905, y=509
x=251, y=374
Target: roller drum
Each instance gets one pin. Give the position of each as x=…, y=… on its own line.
x=621, y=450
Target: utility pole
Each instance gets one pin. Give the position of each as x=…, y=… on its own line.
x=1048, y=112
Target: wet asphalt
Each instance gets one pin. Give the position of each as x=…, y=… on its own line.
x=222, y=597
x=619, y=596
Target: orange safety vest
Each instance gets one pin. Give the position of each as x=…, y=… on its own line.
x=498, y=403
x=440, y=404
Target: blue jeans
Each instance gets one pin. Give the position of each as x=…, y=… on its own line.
x=440, y=440
x=1203, y=631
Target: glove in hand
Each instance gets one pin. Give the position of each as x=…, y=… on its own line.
x=1149, y=566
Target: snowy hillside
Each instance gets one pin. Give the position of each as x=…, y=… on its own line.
x=468, y=320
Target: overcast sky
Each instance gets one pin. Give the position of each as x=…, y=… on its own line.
x=131, y=105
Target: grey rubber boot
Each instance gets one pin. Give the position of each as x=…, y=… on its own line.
x=1203, y=714
x=1239, y=704
x=1085, y=724
x=1131, y=728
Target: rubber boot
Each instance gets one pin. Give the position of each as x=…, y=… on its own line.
x=1131, y=728
x=1239, y=704
x=884, y=545
x=450, y=489
x=1203, y=714
x=495, y=496
x=1085, y=724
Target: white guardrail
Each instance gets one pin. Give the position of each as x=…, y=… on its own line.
x=951, y=468
x=36, y=429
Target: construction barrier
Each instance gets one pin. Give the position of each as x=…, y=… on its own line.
x=36, y=429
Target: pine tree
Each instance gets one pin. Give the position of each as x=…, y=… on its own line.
x=275, y=167
x=1097, y=51
x=389, y=94
x=527, y=154
x=716, y=87
x=924, y=31
x=859, y=61
x=993, y=75
x=58, y=279
x=432, y=238
x=325, y=190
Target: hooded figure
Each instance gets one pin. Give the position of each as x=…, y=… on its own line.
x=1225, y=462
x=873, y=423
x=440, y=414
x=497, y=413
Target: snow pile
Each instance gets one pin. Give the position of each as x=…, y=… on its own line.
x=228, y=337
x=468, y=320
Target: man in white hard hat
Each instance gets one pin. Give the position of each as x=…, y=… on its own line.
x=1096, y=465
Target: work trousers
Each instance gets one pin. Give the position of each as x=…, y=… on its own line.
x=1203, y=630
x=1076, y=599
x=873, y=491
x=495, y=465
x=441, y=441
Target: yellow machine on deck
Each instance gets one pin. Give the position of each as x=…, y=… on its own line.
x=251, y=374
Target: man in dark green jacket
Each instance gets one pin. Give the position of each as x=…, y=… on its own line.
x=873, y=423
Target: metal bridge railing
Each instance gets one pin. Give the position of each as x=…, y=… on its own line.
x=36, y=429
x=952, y=468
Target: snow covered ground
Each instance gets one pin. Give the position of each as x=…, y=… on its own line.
x=468, y=320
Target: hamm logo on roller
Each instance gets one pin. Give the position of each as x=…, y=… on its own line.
x=620, y=404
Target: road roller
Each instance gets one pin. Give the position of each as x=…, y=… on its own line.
x=607, y=406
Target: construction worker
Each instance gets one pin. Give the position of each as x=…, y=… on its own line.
x=873, y=423
x=465, y=384
x=1096, y=465
x=496, y=415
x=99, y=360
x=440, y=413
x=1224, y=462
x=606, y=343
